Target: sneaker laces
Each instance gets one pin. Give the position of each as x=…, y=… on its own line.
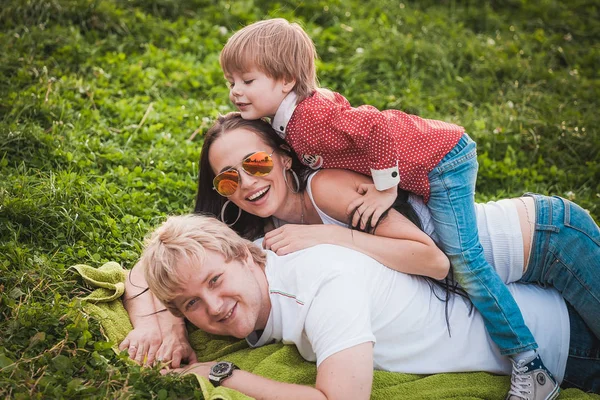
x=520, y=382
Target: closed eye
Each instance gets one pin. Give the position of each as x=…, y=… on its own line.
x=249, y=81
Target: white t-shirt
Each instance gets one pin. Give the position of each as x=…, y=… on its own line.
x=328, y=298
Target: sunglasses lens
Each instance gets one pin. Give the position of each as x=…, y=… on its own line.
x=226, y=183
x=258, y=164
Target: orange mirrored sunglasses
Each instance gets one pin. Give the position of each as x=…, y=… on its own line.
x=255, y=164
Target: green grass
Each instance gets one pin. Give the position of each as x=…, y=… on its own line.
x=100, y=100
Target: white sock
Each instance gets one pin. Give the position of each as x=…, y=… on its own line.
x=524, y=357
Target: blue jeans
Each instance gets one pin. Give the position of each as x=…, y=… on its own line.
x=452, y=206
x=583, y=363
x=565, y=254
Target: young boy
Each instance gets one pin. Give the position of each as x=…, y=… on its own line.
x=270, y=66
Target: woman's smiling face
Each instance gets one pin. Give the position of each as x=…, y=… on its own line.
x=261, y=196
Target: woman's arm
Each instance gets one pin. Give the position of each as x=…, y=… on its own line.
x=347, y=374
x=157, y=334
x=397, y=242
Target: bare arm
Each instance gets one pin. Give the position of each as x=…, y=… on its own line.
x=347, y=374
x=397, y=242
x=156, y=334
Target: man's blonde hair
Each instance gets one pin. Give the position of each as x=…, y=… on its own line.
x=276, y=47
x=185, y=239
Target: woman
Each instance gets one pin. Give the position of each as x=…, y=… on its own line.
x=562, y=251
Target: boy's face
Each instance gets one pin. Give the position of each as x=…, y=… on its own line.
x=255, y=94
x=224, y=298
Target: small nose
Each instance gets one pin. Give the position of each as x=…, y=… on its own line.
x=246, y=179
x=236, y=91
x=214, y=304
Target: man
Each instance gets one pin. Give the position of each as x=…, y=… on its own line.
x=342, y=310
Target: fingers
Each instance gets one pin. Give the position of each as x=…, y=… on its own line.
x=124, y=344
x=152, y=354
x=353, y=206
x=364, y=188
x=192, y=358
x=365, y=218
x=356, y=216
x=139, y=354
x=376, y=215
x=176, y=360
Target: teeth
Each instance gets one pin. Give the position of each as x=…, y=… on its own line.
x=228, y=314
x=258, y=194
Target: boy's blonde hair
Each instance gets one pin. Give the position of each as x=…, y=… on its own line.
x=276, y=47
x=185, y=239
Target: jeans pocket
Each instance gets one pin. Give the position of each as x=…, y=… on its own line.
x=578, y=219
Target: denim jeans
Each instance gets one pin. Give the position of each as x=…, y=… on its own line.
x=583, y=364
x=452, y=206
x=565, y=254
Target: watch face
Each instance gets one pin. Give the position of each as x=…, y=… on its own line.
x=222, y=368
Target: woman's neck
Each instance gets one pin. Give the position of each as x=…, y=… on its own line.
x=296, y=209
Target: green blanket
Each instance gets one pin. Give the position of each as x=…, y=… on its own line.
x=284, y=363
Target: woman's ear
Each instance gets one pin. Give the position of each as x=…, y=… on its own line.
x=287, y=161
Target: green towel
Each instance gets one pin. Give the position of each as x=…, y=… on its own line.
x=283, y=362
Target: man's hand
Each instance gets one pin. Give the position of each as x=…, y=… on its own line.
x=367, y=210
x=175, y=349
x=201, y=369
x=142, y=343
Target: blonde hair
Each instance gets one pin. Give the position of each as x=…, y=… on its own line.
x=276, y=47
x=185, y=239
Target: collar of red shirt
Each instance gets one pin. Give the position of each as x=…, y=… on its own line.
x=284, y=114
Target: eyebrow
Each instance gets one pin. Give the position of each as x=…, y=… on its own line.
x=228, y=167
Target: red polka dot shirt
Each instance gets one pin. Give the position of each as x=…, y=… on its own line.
x=393, y=147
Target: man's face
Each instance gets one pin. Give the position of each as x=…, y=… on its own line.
x=224, y=298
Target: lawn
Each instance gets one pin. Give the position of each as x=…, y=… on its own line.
x=103, y=105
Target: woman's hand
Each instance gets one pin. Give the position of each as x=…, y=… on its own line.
x=142, y=343
x=289, y=238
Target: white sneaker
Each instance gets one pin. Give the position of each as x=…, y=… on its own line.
x=532, y=381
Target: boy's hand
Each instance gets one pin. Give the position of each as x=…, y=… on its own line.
x=370, y=207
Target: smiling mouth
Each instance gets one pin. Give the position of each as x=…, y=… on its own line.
x=258, y=195
x=241, y=105
x=226, y=317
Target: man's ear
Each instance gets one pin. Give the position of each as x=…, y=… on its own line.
x=288, y=85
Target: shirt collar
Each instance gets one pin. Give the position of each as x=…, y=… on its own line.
x=284, y=114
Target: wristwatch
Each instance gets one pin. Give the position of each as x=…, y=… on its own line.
x=221, y=371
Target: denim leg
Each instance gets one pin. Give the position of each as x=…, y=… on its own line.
x=583, y=364
x=566, y=255
x=452, y=209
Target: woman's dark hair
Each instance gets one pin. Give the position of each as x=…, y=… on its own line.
x=208, y=201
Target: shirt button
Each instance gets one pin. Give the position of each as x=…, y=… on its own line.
x=394, y=174
x=281, y=128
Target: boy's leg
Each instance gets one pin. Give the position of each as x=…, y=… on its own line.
x=565, y=254
x=583, y=364
x=453, y=211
